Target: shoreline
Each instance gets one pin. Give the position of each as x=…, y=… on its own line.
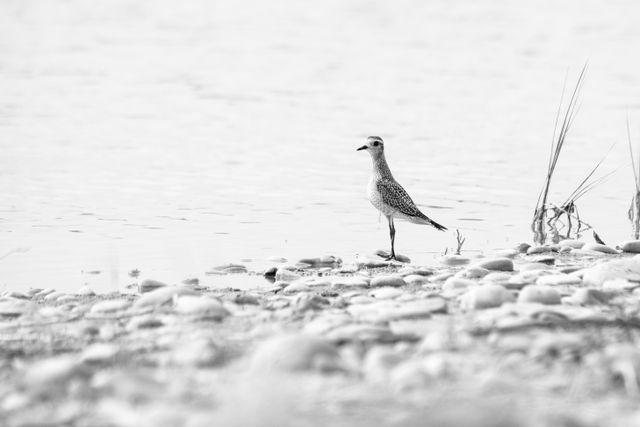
x=520, y=339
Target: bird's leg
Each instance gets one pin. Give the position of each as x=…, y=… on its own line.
x=392, y=234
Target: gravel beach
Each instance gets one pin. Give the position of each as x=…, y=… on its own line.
x=531, y=337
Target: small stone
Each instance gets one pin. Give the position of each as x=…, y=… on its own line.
x=497, y=264
x=349, y=282
x=297, y=352
x=295, y=288
x=286, y=275
x=201, y=352
x=18, y=295
x=387, y=280
x=50, y=374
x=16, y=308
x=53, y=296
x=203, y=307
x=534, y=266
x=597, y=247
x=631, y=246
x=573, y=244
x=110, y=306
x=497, y=277
x=542, y=249
x=441, y=277
x=385, y=293
x=454, y=260
x=485, y=296
x=86, y=291
x=416, y=279
x=161, y=296
x=457, y=284
x=544, y=259
x=628, y=269
x=148, y=285
x=472, y=273
x=558, y=280
x=270, y=272
x=540, y=294
x=565, y=249
x=522, y=247
x=277, y=259
x=144, y=322
x=371, y=262
x=99, y=353
x=588, y=296
x=325, y=261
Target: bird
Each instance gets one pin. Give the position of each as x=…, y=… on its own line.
x=388, y=196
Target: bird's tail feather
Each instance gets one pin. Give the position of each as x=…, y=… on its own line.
x=436, y=225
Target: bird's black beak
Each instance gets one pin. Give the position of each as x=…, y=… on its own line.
x=364, y=147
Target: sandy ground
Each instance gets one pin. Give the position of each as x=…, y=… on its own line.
x=523, y=339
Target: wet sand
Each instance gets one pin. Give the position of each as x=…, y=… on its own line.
x=520, y=339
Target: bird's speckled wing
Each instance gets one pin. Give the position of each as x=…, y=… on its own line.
x=395, y=196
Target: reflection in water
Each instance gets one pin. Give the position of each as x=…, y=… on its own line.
x=172, y=137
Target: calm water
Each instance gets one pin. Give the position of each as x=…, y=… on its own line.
x=175, y=136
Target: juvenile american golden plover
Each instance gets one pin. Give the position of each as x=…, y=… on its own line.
x=388, y=196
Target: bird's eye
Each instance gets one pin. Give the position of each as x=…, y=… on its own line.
x=375, y=144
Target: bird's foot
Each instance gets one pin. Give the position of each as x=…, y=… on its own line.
x=391, y=257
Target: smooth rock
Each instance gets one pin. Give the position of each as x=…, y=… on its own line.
x=472, y=273
x=99, y=353
x=286, y=275
x=387, y=280
x=631, y=246
x=454, y=260
x=110, y=306
x=371, y=262
x=15, y=308
x=496, y=264
x=85, y=291
x=385, y=293
x=296, y=352
x=53, y=296
x=485, y=296
x=534, y=266
x=162, y=296
x=558, y=280
x=540, y=294
x=201, y=306
x=360, y=332
x=573, y=244
x=277, y=259
x=597, y=247
x=200, y=352
x=325, y=261
x=144, y=322
x=416, y=279
x=296, y=287
x=522, y=247
x=589, y=296
x=542, y=249
x=497, y=277
x=456, y=284
x=349, y=282
x=628, y=269
x=148, y=285
x=507, y=253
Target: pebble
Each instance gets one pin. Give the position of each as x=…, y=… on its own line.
x=286, y=275
x=144, y=322
x=542, y=249
x=540, y=294
x=349, y=282
x=497, y=264
x=441, y=277
x=457, y=283
x=616, y=269
x=16, y=308
x=589, y=296
x=498, y=278
x=148, y=285
x=53, y=296
x=573, y=244
x=472, y=273
x=99, y=353
x=522, y=247
x=86, y=291
x=387, y=280
x=370, y=262
x=277, y=259
x=110, y=306
x=485, y=296
x=49, y=375
x=295, y=288
x=416, y=279
x=200, y=352
x=360, y=332
x=385, y=293
x=454, y=260
x=325, y=261
x=534, y=266
x=597, y=247
x=558, y=280
x=296, y=352
x=162, y=296
x=632, y=246
x=201, y=306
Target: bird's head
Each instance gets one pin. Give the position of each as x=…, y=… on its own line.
x=374, y=145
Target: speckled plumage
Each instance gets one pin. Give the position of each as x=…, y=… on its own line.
x=388, y=196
